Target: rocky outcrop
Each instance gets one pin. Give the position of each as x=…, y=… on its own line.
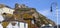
x=26, y=14
x=39, y=18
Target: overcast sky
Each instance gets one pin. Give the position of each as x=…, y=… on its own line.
x=42, y=6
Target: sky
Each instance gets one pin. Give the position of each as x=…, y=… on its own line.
x=42, y=6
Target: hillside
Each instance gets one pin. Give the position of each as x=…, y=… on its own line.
x=39, y=18
x=26, y=14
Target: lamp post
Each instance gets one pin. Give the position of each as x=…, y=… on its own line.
x=56, y=6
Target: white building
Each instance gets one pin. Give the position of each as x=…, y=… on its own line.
x=5, y=9
x=21, y=25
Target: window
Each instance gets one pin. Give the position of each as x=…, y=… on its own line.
x=23, y=25
x=32, y=21
x=18, y=25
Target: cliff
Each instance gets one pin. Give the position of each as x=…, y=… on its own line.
x=27, y=14
x=39, y=18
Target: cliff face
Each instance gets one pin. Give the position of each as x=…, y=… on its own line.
x=39, y=18
x=27, y=14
